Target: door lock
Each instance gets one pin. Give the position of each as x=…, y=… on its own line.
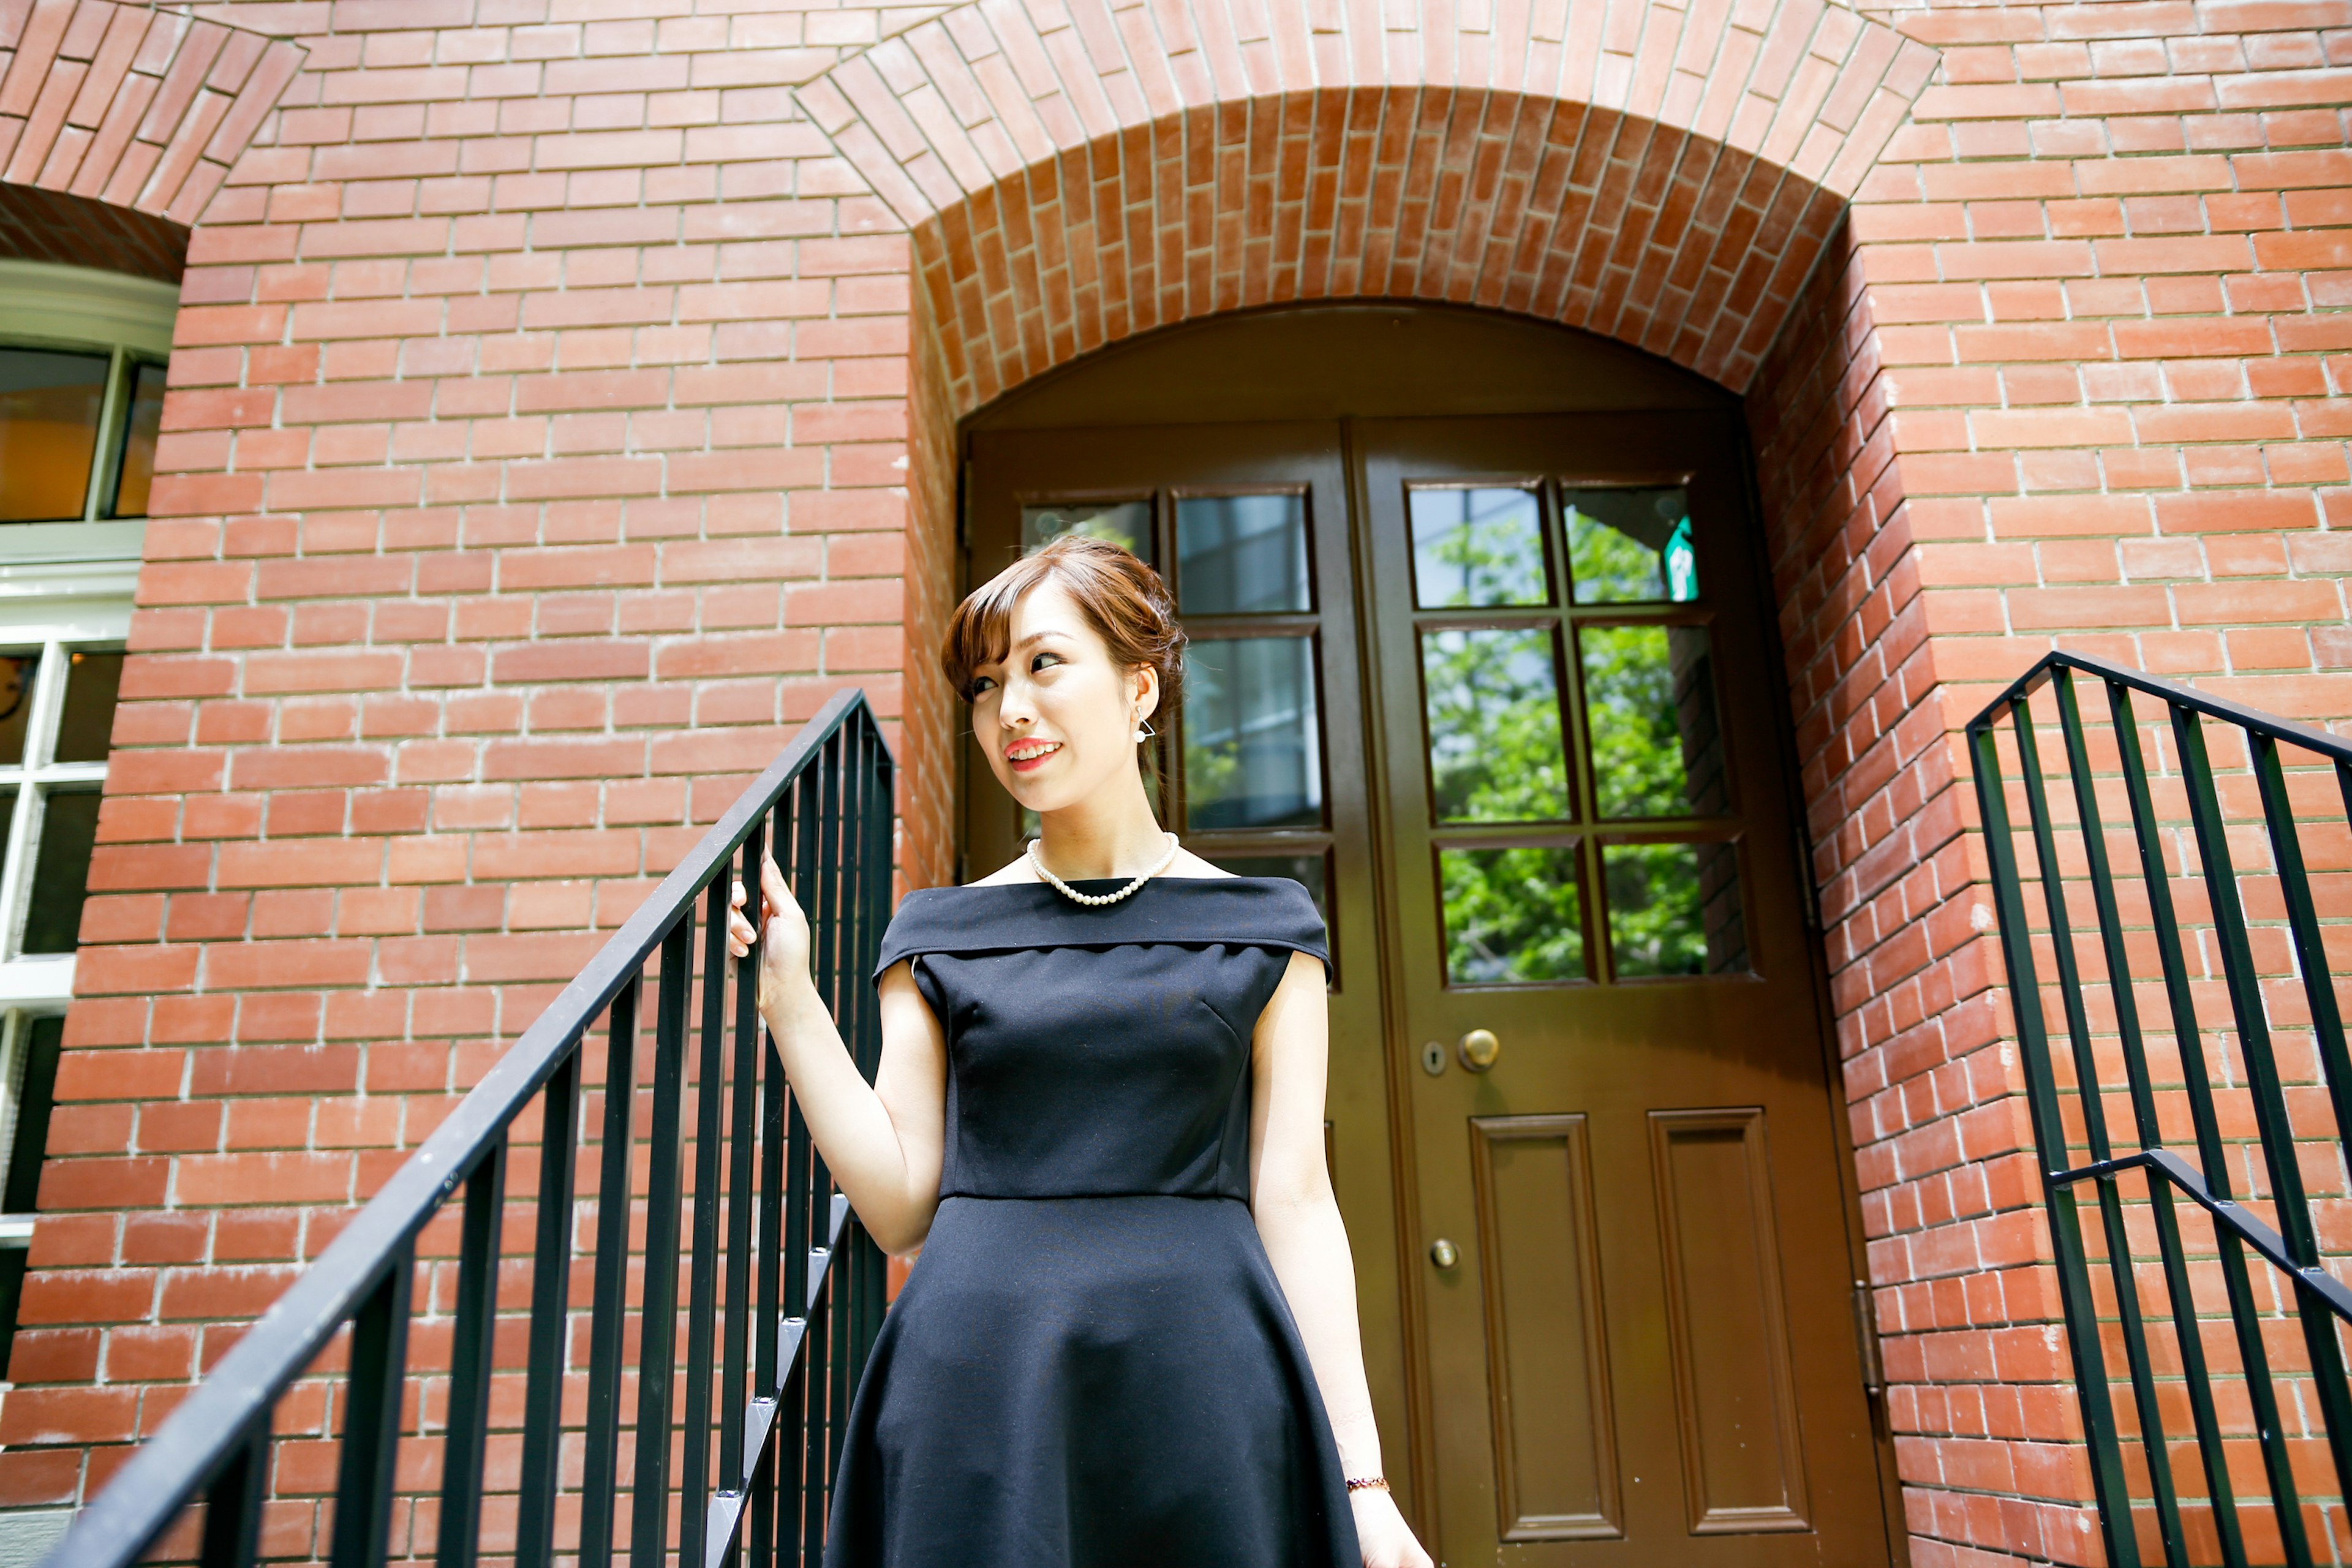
x=1443, y=1253
x=1432, y=1059
x=1478, y=1050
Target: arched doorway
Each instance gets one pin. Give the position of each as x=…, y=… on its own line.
x=1483, y=654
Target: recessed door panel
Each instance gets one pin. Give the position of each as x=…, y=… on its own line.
x=1743, y=1459
x=1547, y=1333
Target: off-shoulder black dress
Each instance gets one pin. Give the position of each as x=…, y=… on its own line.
x=1092, y=1364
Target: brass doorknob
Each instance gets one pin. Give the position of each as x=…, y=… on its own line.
x=1443, y=1253
x=1478, y=1050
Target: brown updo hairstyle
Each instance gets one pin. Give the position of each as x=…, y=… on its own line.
x=1121, y=597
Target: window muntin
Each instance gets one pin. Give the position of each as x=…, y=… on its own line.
x=1241, y=771
x=56, y=712
x=1578, y=791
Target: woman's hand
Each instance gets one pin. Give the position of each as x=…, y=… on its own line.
x=1386, y=1539
x=783, y=934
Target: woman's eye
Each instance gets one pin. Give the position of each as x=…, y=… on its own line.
x=1041, y=661
x=982, y=684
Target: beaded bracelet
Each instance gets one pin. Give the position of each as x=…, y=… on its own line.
x=1356, y=1482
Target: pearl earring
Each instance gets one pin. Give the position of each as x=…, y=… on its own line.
x=1143, y=731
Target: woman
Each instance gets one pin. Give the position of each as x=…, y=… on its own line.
x=1131, y=1339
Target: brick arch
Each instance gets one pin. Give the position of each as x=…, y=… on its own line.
x=1076, y=171
x=132, y=105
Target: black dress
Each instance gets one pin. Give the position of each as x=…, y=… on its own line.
x=1093, y=1364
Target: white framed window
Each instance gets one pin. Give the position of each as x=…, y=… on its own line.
x=83, y=356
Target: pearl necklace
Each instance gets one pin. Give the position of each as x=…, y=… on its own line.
x=1069, y=892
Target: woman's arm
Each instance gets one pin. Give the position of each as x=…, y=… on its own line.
x=883, y=1142
x=1298, y=1220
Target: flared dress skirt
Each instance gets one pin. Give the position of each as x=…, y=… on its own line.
x=1096, y=1383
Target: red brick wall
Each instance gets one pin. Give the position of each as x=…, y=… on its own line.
x=2073, y=377
x=535, y=461
x=551, y=428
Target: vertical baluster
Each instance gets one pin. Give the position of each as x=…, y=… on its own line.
x=742, y=1146
x=784, y=1443
x=2276, y=1126
x=2303, y=919
x=379, y=1365
x=2089, y=1089
x=2189, y=1040
x=701, y=1331
x=233, y=1503
x=470, y=1358
x=2050, y=1142
x=877, y=860
x=600, y=1477
x=658, y=1321
x=2179, y=1296
x=815, y=1473
x=551, y=1305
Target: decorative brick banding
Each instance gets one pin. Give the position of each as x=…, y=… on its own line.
x=128, y=104
x=1075, y=174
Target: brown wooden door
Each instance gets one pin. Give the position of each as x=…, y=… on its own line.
x=1632, y=1256
x=1643, y=1348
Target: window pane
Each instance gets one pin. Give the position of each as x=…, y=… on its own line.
x=1477, y=547
x=142, y=423
x=1123, y=523
x=61, y=874
x=1630, y=546
x=1241, y=554
x=86, y=725
x=16, y=671
x=1493, y=704
x=1512, y=916
x=1673, y=909
x=49, y=406
x=1305, y=869
x=1252, y=746
x=1649, y=697
x=36, y=1092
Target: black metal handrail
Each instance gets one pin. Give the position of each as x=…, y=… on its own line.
x=2156, y=957
x=774, y=1347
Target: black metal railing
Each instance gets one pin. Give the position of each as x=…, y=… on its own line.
x=2204, y=1061
x=701, y=1153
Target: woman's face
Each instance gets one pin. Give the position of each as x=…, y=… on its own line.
x=1056, y=715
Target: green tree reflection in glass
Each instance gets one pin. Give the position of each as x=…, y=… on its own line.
x=1649, y=702
x=1673, y=909
x=1512, y=916
x=1477, y=546
x=1492, y=699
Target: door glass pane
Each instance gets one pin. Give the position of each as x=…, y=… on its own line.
x=1308, y=870
x=142, y=423
x=48, y=427
x=1237, y=555
x=1492, y=701
x=61, y=874
x=1648, y=698
x=1477, y=547
x=17, y=670
x=1630, y=545
x=87, y=726
x=1673, y=909
x=1252, y=746
x=1123, y=523
x=1512, y=916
